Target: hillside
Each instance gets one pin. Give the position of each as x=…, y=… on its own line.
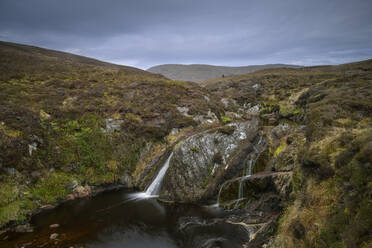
x=65, y=117
x=199, y=73
x=322, y=117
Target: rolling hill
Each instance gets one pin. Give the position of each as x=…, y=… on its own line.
x=199, y=73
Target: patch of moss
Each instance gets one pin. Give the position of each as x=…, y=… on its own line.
x=226, y=119
x=281, y=148
x=16, y=211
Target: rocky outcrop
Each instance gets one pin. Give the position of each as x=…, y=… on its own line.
x=263, y=191
x=203, y=161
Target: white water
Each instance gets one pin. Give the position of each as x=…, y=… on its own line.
x=252, y=162
x=153, y=190
x=154, y=187
x=247, y=173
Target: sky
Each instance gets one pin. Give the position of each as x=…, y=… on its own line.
x=144, y=33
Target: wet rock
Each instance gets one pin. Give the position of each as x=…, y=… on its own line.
x=24, y=228
x=194, y=174
x=263, y=234
x=264, y=192
x=54, y=226
x=70, y=197
x=81, y=191
x=53, y=236
x=73, y=184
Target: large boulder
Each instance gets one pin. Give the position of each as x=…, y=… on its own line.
x=203, y=161
x=264, y=192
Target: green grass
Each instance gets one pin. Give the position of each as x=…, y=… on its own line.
x=52, y=188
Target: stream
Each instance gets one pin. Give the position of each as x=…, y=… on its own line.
x=117, y=219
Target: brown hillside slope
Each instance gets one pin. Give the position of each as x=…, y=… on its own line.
x=65, y=117
x=332, y=173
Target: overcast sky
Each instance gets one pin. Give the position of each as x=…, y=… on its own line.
x=143, y=33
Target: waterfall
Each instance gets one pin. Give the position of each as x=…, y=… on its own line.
x=154, y=187
x=247, y=172
x=251, y=163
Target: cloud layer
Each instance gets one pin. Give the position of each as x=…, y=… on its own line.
x=144, y=33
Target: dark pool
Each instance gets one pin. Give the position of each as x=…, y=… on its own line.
x=114, y=219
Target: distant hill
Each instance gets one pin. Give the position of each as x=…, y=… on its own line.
x=199, y=73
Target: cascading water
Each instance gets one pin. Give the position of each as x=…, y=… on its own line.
x=249, y=171
x=154, y=188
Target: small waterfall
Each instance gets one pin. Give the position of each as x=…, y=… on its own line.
x=248, y=173
x=154, y=187
x=219, y=195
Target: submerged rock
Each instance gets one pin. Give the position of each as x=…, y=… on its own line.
x=54, y=226
x=202, y=161
x=54, y=236
x=24, y=228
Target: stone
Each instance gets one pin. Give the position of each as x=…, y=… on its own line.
x=113, y=125
x=73, y=184
x=36, y=139
x=280, y=130
x=193, y=175
x=127, y=180
x=32, y=147
x=256, y=86
x=183, y=110
x=54, y=226
x=233, y=115
x=174, y=131
x=53, y=236
x=70, y=197
x=255, y=110
x=27, y=228
x=81, y=191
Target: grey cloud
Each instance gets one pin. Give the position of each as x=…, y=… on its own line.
x=143, y=33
